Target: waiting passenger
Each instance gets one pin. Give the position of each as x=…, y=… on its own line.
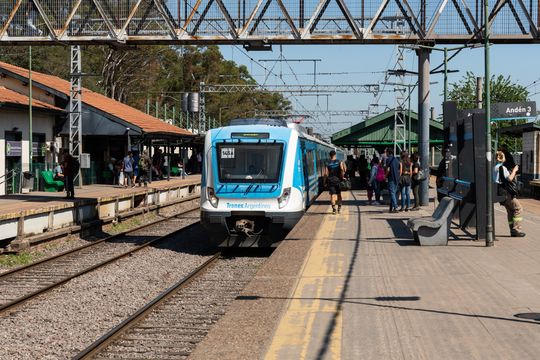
x=415, y=184
x=58, y=172
x=71, y=169
x=507, y=186
x=145, y=167
x=333, y=174
x=351, y=166
x=393, y=175
x=127, y=165
x=377, y=172
x=405, y=170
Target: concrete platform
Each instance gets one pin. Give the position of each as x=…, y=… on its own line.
x=39, y=213
x=356, y=286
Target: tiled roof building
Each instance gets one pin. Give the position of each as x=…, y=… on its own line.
x=112, y=109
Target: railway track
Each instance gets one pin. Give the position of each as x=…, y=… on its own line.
x=171, y=325
x=22, y=284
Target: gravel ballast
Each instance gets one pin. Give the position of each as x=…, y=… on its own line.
x=57, y=246
x=175, y=327
x=59, y=324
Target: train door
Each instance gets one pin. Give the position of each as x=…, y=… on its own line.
x=305, y=172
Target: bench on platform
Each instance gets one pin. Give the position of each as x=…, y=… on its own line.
x=434, y=230
x=49, y=184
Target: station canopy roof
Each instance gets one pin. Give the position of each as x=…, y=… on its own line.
x=378, y=132
x=14, y=99
x=106, y=116
x=518, y=130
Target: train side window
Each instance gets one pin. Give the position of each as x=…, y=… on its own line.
x=310, y=159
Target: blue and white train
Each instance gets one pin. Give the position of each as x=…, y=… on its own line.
x=259, y=177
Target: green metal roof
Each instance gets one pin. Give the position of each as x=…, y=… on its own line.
x=379, y=131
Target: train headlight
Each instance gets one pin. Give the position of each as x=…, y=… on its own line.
x=283, y=200
x=211, y=195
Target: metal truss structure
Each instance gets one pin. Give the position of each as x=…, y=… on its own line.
x=290, y=89
x=263, y=22
x=75, y=108
x=400, y=125
x=310, y=113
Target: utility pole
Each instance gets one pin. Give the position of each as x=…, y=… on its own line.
x=202, y=107
x=30, y=103
x=445, y=74
x=489, y=190
x=479, y=91
x=423, y=121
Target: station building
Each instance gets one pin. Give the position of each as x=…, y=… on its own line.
x=108, y=127
x=377, y=133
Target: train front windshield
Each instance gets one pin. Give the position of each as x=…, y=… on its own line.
x=249, y=163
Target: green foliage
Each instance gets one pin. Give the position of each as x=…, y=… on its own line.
x=135, y=75
x=503, y=89
x=23, y=258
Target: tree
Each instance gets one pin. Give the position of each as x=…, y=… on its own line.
x=137, y=75
x=503, y=89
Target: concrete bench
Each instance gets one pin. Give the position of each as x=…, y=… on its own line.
x=434, y=230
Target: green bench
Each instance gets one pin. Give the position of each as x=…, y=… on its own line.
x=49, y=184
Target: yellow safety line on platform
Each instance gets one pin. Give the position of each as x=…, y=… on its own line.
x=299, y=330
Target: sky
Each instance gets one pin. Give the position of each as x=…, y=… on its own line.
x=365, y=64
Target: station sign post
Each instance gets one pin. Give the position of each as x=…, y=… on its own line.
x=513, y=111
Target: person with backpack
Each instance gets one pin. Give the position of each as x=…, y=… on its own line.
x=376, y=179
x=145, y=166
x=507, y=186
x=334, y=172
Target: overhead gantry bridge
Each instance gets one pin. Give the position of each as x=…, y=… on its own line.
x=265, y=22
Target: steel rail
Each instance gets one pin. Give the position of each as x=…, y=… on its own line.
x=19, y=301
x=116, y=332
x=108, y=238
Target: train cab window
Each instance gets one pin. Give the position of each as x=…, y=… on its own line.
x=249, y=162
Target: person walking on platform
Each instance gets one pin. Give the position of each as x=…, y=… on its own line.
x=393, y=175
x=415, y=180
x=507, y=186
x=405, y=170
x=333, y=174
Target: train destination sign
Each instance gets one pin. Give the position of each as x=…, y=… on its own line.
x=514, y=110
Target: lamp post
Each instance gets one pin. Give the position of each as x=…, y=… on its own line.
x=487, y=100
